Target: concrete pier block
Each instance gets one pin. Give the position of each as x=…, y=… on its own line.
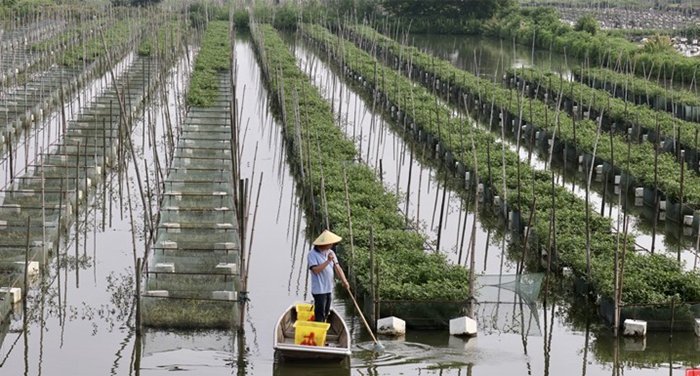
x=599, y=169
x=617, y=179
x=226, y=268
x=463, y=326
x=580, y=159
x=158, y=293
x=662, y=204
x=224, y=295
x=635, y=328
x=15, y=293
x=391, y=326
x=639, y=192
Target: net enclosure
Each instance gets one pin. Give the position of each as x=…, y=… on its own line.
x=192, y=279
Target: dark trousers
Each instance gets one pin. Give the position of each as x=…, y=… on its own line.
x=322, y=306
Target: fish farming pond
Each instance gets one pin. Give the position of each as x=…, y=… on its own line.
x=78, y=316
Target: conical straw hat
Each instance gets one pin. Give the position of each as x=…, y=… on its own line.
x=326, y=238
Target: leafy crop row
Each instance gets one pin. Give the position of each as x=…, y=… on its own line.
x=116, y=36
x=213, y=58
x=639, y=86
x=580, y=134
x=167, y=38
x=616, y=109
x=407, y=271
x=629, y=114
x=73, y=33
x=648, y=278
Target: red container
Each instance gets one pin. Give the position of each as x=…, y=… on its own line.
x=692, y=372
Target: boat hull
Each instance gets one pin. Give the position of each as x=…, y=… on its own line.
x=337, y=346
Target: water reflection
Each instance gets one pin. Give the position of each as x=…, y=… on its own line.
x=310, y=369
x=486, y=56
x=558, y=337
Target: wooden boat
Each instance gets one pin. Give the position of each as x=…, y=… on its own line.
x=336, y=348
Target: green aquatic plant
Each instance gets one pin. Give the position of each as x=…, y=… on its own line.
x=407, y=271
x=641, y=284
x=214, y=57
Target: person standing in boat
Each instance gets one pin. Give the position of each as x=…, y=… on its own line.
x=324, y=265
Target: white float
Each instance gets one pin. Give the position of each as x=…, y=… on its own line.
x=391, y=325
x=224, y=295
x=168, y=267
x=158, y=293
x=463, y=326
x=15, y=293
x=635, y=328
x=226, y=268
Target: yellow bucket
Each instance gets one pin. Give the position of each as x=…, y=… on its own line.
x=305, y=312
x=310, y=333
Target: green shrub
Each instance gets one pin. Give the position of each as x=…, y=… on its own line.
x=241, y=19
x=286, y=17
x=588, y=24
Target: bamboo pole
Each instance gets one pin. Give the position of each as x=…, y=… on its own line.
x=372, y=288
x=77, y=215
x=137, y=297
x=26, y=266
x=351, y=269
x=588, y=188
x=472, y=262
